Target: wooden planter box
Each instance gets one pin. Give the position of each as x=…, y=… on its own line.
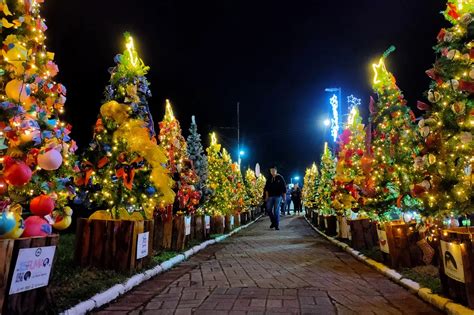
x=308, y=213
x=314, y=218
x=251, y=215
x=321, y=223
x=401, y=239
x=237, y=220
x=456, y=268
x=229, y=223
x=112, y=244
x=163, y=232
x=217, y=224
x=344, y=229
x=181, y=232
x=199, y=233
x=362, y=234
x=37, y=301
x=330, y=222
x=244, y=217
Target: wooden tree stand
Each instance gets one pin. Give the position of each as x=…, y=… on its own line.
x=111, y=244
x=362, y=234
x=402, y=245
x=314, y=217
x=331, y=225
x=37, y=301
x=228, y=223
x=344, y=230
x=251, y=214
x=217, y=224
x=179, y=237
x=244, y=217
x=199, y=227
x=163, y=231
x=237, y=220
x=308, y=214
x=321, y=222
x=459, y=248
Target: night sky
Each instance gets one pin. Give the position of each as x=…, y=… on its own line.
x=274, y=57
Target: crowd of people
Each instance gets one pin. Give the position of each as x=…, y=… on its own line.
x=278, y=197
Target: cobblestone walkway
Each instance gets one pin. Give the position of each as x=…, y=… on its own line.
x=262, y=271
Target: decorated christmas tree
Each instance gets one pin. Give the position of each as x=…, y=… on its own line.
x=310, y=185
x=179, y=165
x=122, y=170
x=349, y=176
x=394, y=145
x=198, y=157
x=36, y=151
x=327, y=170
x=447, y=157
x=239, y=194
x=220, y=201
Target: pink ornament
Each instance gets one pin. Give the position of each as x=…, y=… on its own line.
x=36, y=226
x=50, y=160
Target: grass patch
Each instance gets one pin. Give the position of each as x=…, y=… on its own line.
x=375, y=253
x=163, y=256
x=213, y=236
x=426, y=276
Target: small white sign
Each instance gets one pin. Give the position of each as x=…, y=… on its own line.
x=232, y=221
x=142, y=245
x=452, y=260
x=383, y=243
x=207, y=222
x=187, y=225
x=32, y=269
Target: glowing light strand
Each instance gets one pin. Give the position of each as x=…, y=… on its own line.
x=335, y=120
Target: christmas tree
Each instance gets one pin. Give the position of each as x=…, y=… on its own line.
x=310, y=184
x=220, y=201
x=349, y=176
x=36, y=151
x=179, y=165
x=199, y=159
x=394, y=145
x=122, y=170
x=239, y=194
x=447, y=157
x=326, y=181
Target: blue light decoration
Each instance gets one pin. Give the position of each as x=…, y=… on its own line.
x=335, y=116
x=353, y=101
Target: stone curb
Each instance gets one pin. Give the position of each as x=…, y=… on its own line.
x=117, y=290
x=442, y=303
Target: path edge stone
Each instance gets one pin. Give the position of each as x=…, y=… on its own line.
x=119, y=289
x=440, y=302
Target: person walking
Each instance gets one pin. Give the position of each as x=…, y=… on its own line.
x=296, y=197
x=288, y=199
x=275, y=190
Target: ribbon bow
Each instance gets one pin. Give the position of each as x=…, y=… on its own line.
x=127, y=171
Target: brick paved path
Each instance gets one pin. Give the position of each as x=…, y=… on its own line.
x=259, y=271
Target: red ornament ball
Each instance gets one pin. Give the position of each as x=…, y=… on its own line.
x=17, y=173
x=36, y=226
x=42, y=205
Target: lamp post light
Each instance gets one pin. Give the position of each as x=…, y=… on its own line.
x=241, y=154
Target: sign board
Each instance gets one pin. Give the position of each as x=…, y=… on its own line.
x=383, y=243
x=257, y=170
x=232, y=221
x=187, y=225
x=32, y=268
x=142, y=245
x=452, y=260
x=207, y=222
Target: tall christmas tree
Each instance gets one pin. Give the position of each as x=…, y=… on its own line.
x=36, y=151
x=310, y=186
x=394, y=144
x=349, y=176
x=180, y=166
x=326, y=181
x=122, y=170
x=197, y=155
x=447, y=157
x=239, y=193
x=220, y=201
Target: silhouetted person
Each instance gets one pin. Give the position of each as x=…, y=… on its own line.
x=296, y=197
x=275, y=190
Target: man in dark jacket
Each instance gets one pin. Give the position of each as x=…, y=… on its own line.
x=296, y=197
x=275, y=190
